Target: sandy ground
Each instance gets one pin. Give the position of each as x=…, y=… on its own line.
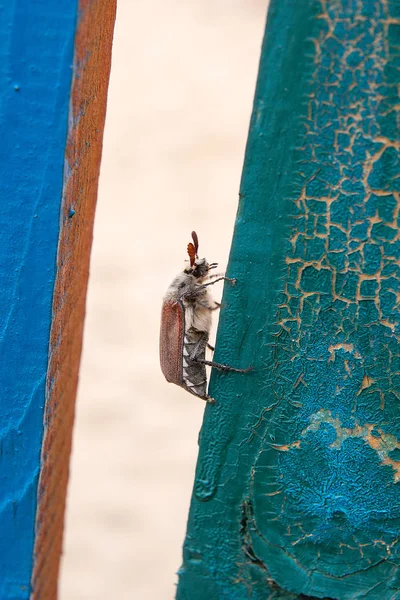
x=180, y=98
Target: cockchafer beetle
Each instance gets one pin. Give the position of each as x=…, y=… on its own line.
x=186, y=324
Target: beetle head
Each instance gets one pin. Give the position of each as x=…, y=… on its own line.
x=199, y=267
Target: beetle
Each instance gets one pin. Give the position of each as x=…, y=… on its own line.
x=186, y=323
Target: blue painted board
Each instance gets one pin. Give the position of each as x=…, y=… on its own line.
x=36, y=49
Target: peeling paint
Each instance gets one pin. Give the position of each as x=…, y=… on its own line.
x=383, y=443
x=333, y=347
x=325, y=481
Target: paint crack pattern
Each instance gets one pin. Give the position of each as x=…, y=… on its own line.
x=325, y=486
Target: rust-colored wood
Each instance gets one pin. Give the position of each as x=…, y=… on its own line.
x=92, y=61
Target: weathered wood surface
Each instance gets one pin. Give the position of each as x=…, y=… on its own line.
x=297, y=482
x=54, y=76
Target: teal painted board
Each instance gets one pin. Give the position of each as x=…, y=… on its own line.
x=36, y=48
x=297, y=483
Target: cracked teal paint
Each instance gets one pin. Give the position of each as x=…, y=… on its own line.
x=297, y=483
x=36, y=48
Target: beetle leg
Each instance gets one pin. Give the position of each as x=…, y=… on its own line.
x=210, y=347
x=216, y=307
x=199, y=292
x=206, y=397
x=232, y=281
x=221, y=367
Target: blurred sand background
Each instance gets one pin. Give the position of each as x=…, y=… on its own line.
x=180, y=97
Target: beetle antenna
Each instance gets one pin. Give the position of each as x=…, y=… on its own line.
x=192, y=253
x=196, y=241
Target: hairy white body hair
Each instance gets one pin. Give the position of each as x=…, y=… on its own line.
x=197, y=300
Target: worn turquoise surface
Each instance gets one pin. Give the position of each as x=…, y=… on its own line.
x=36, y=49
x=297, y=486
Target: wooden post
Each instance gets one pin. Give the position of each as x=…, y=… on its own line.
x=54, y=76
x=297, y=485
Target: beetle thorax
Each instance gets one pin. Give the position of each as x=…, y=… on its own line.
x=181, y=285
x=196, y=300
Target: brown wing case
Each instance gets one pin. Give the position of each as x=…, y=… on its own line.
x=171, y=341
